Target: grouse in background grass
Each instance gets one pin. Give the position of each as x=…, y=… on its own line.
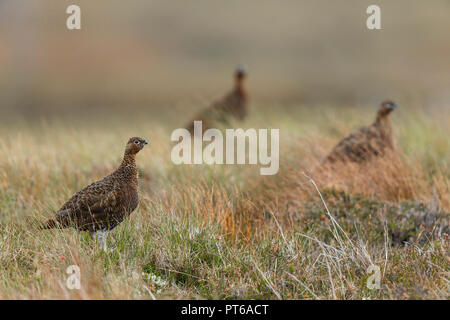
x=232, y=105
x=367, y=142
x=102, y=205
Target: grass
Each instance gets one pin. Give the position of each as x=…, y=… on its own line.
x=225, y=232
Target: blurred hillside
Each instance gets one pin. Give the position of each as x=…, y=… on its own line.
x=171, y=53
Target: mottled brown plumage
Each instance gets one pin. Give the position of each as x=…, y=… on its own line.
x=232, y=105
x=104, y=204
x=367, y=142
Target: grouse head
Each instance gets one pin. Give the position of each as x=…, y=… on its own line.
x=135, y=145
x=386, y=107
x=240, y=72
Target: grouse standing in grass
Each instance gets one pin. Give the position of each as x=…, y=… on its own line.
x=367, y=142
x=234, y=104
x=102, y=205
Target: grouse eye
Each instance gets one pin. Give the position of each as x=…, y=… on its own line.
x=391, y=105
x=136, y=141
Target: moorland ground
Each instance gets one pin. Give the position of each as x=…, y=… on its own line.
x=226, y=232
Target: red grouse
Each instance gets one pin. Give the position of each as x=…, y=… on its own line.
x=102, y=205
x=367, y=142
x=234, y=104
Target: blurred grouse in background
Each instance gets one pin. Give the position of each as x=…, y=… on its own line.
x=232, y=105
x=102, y=205
x=367, y=142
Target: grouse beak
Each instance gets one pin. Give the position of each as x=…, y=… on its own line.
x=392, y=106
x=143, y=143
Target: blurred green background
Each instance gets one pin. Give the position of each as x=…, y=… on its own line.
x=164, y=56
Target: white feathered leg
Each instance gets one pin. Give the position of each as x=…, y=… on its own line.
x=100, y=236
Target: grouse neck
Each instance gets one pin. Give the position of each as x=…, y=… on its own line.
x=384, y=126
x=128, y=167
x=239, y=86
x=383, y=122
